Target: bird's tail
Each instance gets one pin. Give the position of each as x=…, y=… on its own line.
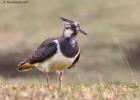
x=24, y=67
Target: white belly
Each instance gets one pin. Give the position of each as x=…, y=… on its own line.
x=56, y=63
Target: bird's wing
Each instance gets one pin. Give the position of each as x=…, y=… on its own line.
x=46, y=50
x=75, y=61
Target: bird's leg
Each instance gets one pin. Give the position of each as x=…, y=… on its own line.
x=60, y=79
x=47, y=78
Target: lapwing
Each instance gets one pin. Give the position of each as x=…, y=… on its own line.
x=56, y=54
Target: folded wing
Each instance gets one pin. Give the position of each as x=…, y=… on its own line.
x=46, y=50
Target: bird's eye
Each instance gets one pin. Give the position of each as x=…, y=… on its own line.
x=73, y=26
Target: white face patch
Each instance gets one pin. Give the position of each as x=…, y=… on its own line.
x=68, y=32
x=76, y=23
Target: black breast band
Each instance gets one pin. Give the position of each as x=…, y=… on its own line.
x=69, y=46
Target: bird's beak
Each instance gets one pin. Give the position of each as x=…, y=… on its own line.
x=81, y=31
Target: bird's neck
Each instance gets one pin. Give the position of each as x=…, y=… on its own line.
x=69, y=33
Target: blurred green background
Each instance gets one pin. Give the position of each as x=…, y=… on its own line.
x=111, y=51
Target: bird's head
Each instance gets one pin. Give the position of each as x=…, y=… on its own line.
x=71, y=27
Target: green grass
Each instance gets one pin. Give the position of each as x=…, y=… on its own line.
x=102, y=91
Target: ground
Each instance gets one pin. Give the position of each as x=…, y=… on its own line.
x=101, y=91
x=110, y=52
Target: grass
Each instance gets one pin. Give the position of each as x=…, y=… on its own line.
x=24, y=26
x=102, y=91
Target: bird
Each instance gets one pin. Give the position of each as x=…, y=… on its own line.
x=56, y=54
